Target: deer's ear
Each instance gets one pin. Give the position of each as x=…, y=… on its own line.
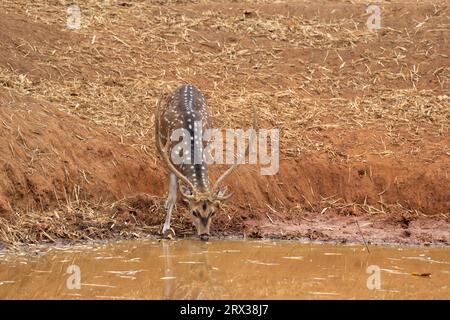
x=221, y=193
x=185, y=191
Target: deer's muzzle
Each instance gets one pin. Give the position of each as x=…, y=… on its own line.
x=204, y=237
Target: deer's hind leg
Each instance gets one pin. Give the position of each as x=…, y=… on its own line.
x=168, y=232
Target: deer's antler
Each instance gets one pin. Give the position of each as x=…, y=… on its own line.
x=234, y=166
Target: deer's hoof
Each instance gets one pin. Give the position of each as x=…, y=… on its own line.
x=168, y=234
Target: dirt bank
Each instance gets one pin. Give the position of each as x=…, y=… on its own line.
x=363, y=118
x=63, y=178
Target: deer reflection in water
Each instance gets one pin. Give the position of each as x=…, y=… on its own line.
x=190, y=275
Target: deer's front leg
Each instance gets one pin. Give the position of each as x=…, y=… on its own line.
x=168, y=232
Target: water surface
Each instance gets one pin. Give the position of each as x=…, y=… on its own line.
x=224, y=269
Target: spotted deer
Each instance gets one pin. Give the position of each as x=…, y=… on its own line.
x=185, y=108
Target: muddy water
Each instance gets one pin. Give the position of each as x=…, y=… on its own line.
x=226, y=270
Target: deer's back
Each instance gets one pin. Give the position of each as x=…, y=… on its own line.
x=185, y=106
x=185, y=109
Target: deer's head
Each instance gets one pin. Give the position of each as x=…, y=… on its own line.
x=203, y=206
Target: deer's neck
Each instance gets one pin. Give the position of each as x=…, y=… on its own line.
x=197, y=174
x=187, y=110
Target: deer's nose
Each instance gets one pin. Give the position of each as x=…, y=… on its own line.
x=204, y=237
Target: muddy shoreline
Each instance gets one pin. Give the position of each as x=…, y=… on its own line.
x=328, y=229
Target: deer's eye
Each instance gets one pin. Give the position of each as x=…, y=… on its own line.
x=195, y=213
x=212, y=214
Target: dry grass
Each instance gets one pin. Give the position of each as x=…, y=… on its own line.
x=314, y=76
x=254, y=57
x=81, y=220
